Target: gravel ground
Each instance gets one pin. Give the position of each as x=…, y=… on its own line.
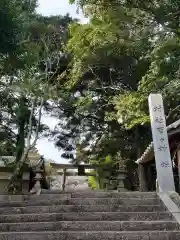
x=79, y=183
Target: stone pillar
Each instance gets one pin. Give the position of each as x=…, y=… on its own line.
x=178, y=163
x=142, y=178
x=157, y=186
x=81, y=170
x=160, y=143
x=64, y=179
x=148, y=178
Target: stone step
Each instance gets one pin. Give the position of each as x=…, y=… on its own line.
x=9, y=198
x=120, y=195
x=107, y=201
x=47, y=196
x=105, y=235
x=59, y=195
x=96, y=194
x=20, y=198
x=90, y=226
x=87, y=216
x=82, y=201
x=82, y=208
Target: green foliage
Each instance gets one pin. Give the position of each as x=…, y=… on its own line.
x=162, y=77
x=108, y=160
x=15, y=17
x=158, y=42
x=129, y=111
x=83, y=103
x=99, y=75
x=92, y=182
x=128, y=50
x=32, y=54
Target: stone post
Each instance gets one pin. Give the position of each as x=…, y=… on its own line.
x=37, y=187
x=142, y=178
x=121, y=174
x=161, y=145
x=178, y=163
x=64, y=179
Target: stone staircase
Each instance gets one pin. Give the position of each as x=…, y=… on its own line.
x=86, y=216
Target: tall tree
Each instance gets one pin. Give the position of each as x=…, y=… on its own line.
x=16, y=17
x=126, y=51
x=107, y=61
x=31, y=56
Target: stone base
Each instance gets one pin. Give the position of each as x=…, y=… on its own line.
x=4, y=183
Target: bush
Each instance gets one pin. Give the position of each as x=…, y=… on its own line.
x=92, y=182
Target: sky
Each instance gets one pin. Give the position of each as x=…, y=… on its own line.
x=59, y=7
x=55, y=7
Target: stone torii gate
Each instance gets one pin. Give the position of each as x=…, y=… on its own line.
x=82, y=172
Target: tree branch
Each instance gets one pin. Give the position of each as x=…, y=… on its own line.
x=172, y=111
x=109, y=87
x=38, y=124
x=30, y=123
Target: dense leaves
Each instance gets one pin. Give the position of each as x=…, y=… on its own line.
x=15, y=16
x=31, y=55
x=95, y=78
x=128, y=50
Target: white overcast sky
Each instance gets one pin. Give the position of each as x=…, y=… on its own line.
x=59, y=7
x=55, y=7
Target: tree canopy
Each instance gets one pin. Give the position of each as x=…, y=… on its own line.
x=126, y=51
x=95, y=78
x=31, y=55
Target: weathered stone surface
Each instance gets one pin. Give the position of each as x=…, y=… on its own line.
x=59, y=191
x=90, y=226
x=120, y=195
x=149, y=225
x=107, y=201
x=45, y=202
x=162, y=158
x=105, y=235
x=62, y=196
x=81, y=208
x=10, y=198
x=86, y=216
x=81, y=201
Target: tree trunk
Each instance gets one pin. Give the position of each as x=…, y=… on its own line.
x=13, y=184
x=20, y=143
x=141, y=170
